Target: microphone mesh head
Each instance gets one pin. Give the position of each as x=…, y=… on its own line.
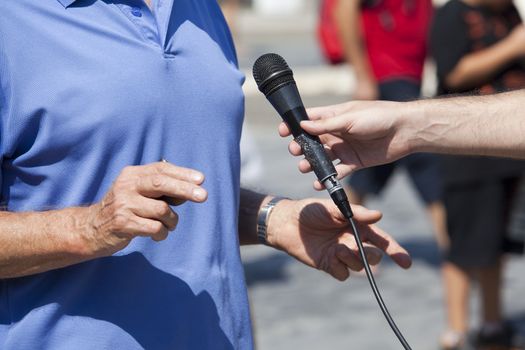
x=271, y=71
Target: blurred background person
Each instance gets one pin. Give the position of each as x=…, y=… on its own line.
x=478, y=47
x=385, y=41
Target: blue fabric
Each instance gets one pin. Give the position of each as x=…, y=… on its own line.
x=87, y=88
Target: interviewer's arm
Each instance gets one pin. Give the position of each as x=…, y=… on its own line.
x=34, y=242
x=363, y=134
x=491, y=125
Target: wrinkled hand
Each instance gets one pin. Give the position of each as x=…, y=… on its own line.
x=315, y=233
x=137, y=205
x=358, y=134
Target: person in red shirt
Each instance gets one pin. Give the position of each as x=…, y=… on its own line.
x=386, y=43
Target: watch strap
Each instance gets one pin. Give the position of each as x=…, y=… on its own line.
x=262, y=219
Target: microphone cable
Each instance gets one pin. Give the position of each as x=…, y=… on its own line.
x=373, y=285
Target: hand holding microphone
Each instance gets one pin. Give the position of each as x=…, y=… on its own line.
x=275, y=80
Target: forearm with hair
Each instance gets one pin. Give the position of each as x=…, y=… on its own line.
x=491, y=125
x=34, y=242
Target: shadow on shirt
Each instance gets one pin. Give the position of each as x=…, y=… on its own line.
x=157, y=309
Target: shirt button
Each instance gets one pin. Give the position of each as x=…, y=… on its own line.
x=135, y=11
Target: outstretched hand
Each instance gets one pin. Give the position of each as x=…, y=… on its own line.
x=358, y=134
x=316, y=233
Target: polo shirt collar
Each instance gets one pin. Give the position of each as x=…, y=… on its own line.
x=66, y=3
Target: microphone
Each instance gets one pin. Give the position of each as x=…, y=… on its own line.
x=275, y=80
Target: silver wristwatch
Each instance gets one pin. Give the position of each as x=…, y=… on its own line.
x=263, y=216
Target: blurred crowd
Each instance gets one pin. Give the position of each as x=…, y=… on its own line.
x=478, y=47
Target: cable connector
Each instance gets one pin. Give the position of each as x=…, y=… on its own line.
x=338, y=194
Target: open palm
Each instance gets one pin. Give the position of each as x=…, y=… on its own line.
x=314, y=232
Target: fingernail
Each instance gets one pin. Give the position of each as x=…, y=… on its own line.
x=199, y=194
x=197, y=177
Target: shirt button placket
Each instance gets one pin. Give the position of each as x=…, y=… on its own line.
x=136, y=11
x=144, y=19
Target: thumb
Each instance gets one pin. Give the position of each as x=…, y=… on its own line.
x=361, y=214
x=366, y=216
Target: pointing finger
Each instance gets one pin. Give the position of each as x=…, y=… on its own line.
x=284, y=131
x=327, y=125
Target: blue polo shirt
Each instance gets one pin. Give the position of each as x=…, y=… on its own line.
x=88, y=87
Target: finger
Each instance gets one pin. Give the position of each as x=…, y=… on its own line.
x=349, y=253
x=372, y=253
x=156, y=186
x=337, y=269
x=328, y=111
x=366, y=216
x=156, y=210
x=353, y=260
x=343, y=170
x=294, y=148
x=139, y=226
x=347, y=257
x=171, y=170
x=386, y=243
x=304, y=166
x=284, y=130
x=326, y=125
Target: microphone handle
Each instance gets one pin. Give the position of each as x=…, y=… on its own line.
x=287, y=102
x=312, y=147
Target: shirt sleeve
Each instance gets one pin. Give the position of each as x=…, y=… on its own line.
x=449, y=40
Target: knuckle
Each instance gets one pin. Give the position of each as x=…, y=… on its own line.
x=162, y=209
x=156, y=228
x=118, y=186
x=157, y=181
x=119, y=204
x=159, y=168
x=120, y=222
x=127, y=170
